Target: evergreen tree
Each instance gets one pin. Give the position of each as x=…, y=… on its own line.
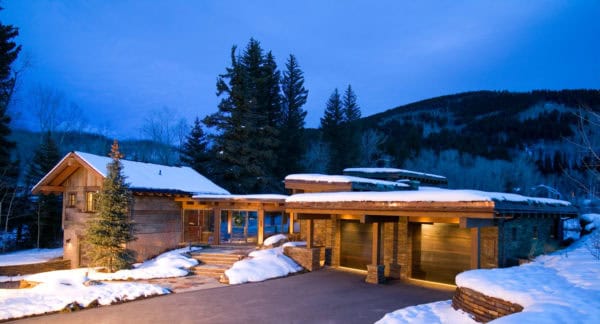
x=351, y=108
x=351, y=131
x=108, y=233
x=9, y=169
x=332, y=124
x=47, y=210
x=246, y=121
x=292, y=125
x=194, y=151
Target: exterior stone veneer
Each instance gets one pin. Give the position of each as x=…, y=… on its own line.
x=483, y=308
x=375, y=274
x=22, y=269
x=309, y=259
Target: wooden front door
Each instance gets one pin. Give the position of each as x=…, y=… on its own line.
x=356, y=244
x=192, y=223
x=440, y=251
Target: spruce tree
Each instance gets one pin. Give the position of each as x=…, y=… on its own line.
x=332, y=124
x=294, y=96
x=9, y=169
x=108, y=233
x=351, y=108
x=194, y=152
x=246, y=120
x=351, y=131
x=47, y=209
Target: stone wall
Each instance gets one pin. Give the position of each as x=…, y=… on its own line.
x=483, y=308
x=309, y=259
x=525, y=237
x=24, y=269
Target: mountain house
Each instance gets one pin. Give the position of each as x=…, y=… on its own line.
x=388, y=222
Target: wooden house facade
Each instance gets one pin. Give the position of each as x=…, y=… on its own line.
x=154, y=209
x=428, y=233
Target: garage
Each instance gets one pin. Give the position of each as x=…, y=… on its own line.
x=440, y=251
x=356, y=243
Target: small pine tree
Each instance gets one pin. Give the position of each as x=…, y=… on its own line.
x=194, y=152
x=109, y=232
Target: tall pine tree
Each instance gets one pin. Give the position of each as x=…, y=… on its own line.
x=249, y=111
x=351, y=131
x=47, y=210
x=9, y=170
x=332, y=124
x=194, y=152
x=294, y=96
x=108, y=233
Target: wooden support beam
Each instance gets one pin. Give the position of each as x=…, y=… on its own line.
x=376, y=242
x=313, y=216
x=261, y=226
x=229, y=221
x=381, y=219
x=217, y=222
x=309, y=233
x=475, y=247
x=431, y=220
x=291, y=223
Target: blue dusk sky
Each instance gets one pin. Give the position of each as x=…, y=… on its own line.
x=120, y=60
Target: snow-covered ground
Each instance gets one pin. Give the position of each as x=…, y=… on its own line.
x=56, y=289
x=29, y=256
x=263, y=265
x=562, y=287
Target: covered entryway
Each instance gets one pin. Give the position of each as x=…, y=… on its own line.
x=197, y=225
x=440, y=251
x=356, y=244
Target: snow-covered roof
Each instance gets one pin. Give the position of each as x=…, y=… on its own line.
x=324, y=178
x=148, y=176
x=424, y=194
x=261, y=197
x=393, y=170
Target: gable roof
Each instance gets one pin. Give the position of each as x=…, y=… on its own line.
x=140, y=176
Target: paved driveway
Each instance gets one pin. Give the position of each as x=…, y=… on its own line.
x=325, y=296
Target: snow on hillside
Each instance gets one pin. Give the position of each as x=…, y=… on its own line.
x=562, y=287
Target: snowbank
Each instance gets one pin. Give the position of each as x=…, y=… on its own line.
x=437, y=312
x=56, y=289
x=262, y=265
x=30, y=256
x=274, y=239
x=562, y=287
x=593, y=221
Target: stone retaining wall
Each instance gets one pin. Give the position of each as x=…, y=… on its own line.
x=309, y=259
x=483, y=308
x=23, y=269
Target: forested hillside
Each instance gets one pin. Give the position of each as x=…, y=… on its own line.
x=492, y=140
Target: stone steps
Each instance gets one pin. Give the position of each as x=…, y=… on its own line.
x=214, y=264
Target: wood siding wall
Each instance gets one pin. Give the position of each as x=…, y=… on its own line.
x=157, y=225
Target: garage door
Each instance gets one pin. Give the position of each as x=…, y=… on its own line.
x=356, y=243
x=440, y=251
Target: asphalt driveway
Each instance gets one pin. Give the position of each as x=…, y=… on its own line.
x=325, y=296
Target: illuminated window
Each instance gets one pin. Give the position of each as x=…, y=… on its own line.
x=72, y=199
x=90, y=201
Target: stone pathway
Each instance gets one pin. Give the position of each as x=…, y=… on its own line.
x=184, y=284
